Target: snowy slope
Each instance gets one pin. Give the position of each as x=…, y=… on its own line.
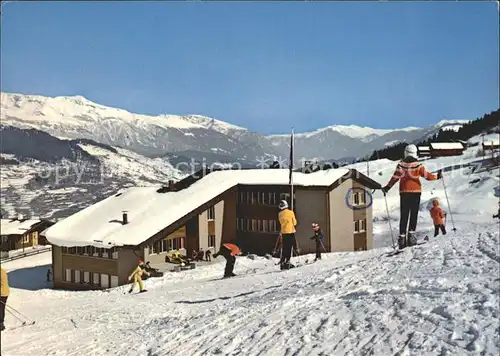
x=440, y=298
x=436, y=299
x=37, y=187
x=77, y=117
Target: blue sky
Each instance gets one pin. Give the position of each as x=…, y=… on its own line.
x=266, y=66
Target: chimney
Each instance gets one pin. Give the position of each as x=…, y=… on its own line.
x=125, y=218
x=171, y=185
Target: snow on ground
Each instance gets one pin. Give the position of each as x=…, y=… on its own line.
x=435, y=299
x=440, y=298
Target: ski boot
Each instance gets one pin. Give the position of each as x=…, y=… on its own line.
x=402, y=242
x=412, y=238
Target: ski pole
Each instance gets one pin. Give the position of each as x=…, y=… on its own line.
x=389, y=218
x=276, y=244
x=21, y=314
x=15, y=316
x=448, y=202
x=324, y=248
x=11, y=310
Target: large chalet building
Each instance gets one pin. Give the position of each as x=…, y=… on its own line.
x=99, y=246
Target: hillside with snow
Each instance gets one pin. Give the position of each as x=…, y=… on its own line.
x=48, y=177
x=77, y=117
x=439, y=298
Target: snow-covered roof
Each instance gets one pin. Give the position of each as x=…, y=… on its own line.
x=491, y=143
x=446, y=146
x=16, y=227
x=150, y=212
x=423, y=148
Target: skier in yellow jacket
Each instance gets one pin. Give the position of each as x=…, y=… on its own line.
x=137, y=277
x=288, y=222
x=5, y=291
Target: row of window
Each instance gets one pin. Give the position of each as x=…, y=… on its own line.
x=360, y=225
x=255, y=225
x=166, y=245
x=89, y=278
x=272, y=226
x=262, y=198
x=92, y=251
x=359, y=198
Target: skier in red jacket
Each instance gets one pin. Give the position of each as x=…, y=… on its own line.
x=229, y=251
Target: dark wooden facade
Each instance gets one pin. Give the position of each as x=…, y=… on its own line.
x=30, y=238
x=444, y=153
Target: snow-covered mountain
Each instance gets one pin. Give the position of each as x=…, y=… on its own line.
x=76, y=117
x=439, y=298
x=45, y=176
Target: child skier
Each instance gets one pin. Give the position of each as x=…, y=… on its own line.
x=228, y=251
x=318, y=238
x=437, y=215
x=288, y=222
x=137, y=277
x=408, y=173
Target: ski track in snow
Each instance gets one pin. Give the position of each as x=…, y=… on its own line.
x=440, y=298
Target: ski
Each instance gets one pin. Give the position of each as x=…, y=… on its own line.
x=21, y=325
x=394, y=253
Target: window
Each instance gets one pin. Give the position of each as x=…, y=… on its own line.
x=211, y=240
x=95, y=279
x=26, y=239
x=264, y=199
x=104, y=281
x=114, y=253
x=360, y=225
x=241, y=197
x=114, y=281
x=211, y=213
x=77, y=276
x=86, y=277
x=258, y=198
x=249, y=198
x=95, y=252
x=358, y=198
x=105, y=253
x=265, y=225
x=67, y=275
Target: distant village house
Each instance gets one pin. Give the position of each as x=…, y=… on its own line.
x=442, y=149
x=99, y=246
x=21, y=234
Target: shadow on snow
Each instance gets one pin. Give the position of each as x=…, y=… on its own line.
x=32, y=278
x=223, y=298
